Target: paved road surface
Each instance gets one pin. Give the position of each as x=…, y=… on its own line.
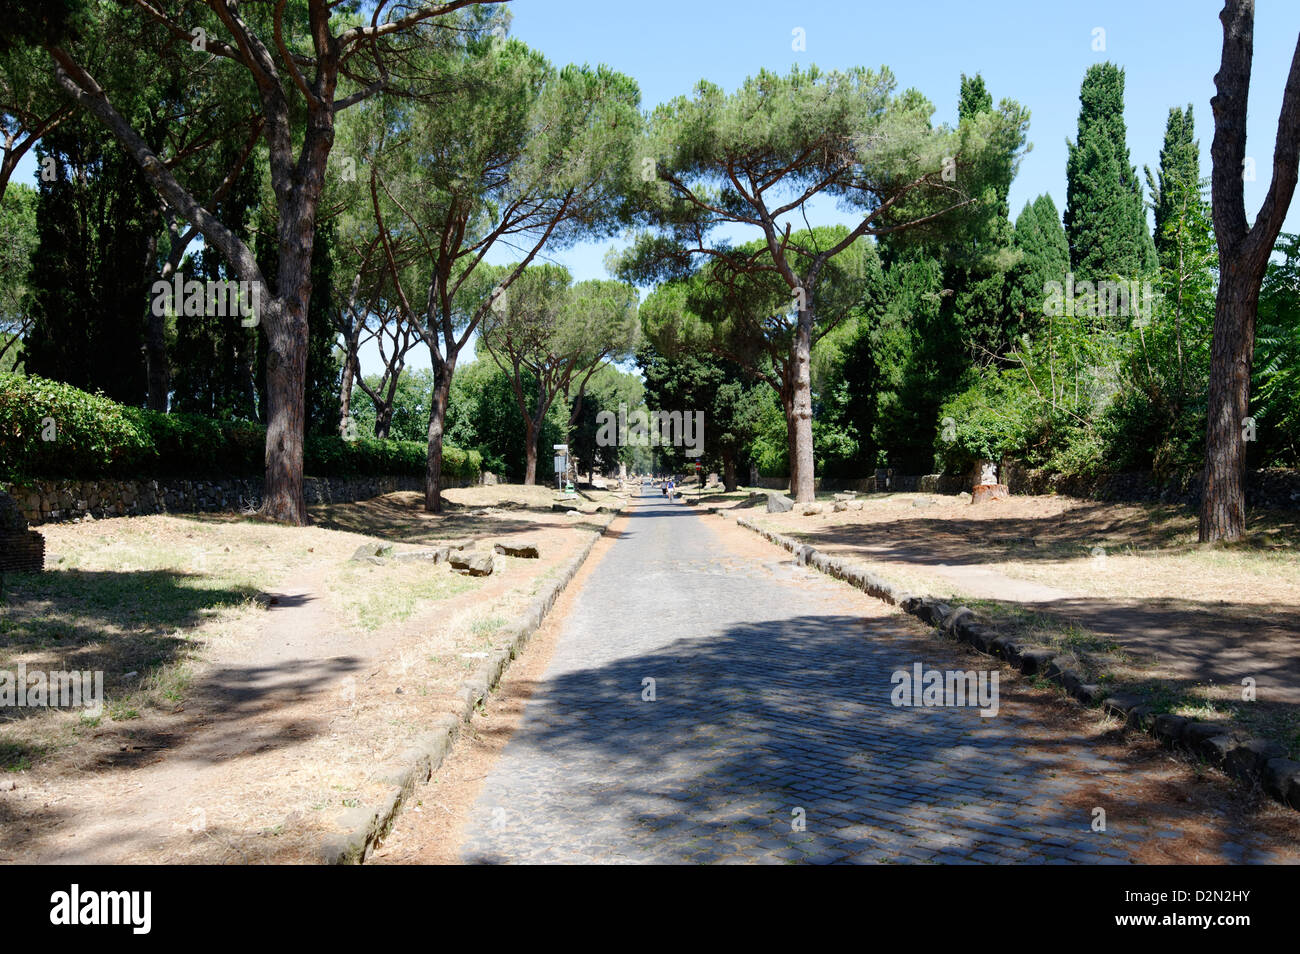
x=771, y=736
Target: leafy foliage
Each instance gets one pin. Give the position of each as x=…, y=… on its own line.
x=48, y=429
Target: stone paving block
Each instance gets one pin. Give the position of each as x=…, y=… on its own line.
x=767, y=699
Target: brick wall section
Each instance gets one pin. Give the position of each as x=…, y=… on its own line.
x=21, y=551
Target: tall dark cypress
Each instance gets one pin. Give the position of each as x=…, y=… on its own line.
x=1105, y=219
x=88, y=281
x=1178, y=182
x=1044, y=257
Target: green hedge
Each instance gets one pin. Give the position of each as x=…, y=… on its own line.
x=96, y=437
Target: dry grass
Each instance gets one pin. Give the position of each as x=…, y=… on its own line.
x=334, y=667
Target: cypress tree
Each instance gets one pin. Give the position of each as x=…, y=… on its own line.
x=1178, y=183
x=1044, y=257
x=1105, y=219
x=976, y=263
x=214, y=358
x=88, y=283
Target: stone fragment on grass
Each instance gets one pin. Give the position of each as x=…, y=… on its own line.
x=779, y=503
x=472, y=563
x=367, y=550
x=434, y=555
x=524, y=549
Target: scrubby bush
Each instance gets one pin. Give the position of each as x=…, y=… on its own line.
x=993, y=417
x=48, y=429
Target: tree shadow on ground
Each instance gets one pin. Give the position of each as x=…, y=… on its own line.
x=113, y=621
x=766, y=725
x=236, y=713
x=1187, y=640
x=402, y=519
x=1178, y=653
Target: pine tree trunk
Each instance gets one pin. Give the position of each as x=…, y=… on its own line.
x=286, y=379
x=1223, y=494
x=801, y=470
x=437, y=418
x=729, y=470
x=383, y=422
x=1243, y=259
x=530, y=456
x=345, y=390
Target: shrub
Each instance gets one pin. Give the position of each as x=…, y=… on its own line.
x=96, y=437
x=992, y=417
x=48, y=428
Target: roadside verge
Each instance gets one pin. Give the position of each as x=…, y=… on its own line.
x=365, y=825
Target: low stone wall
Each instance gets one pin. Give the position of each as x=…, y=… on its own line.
x=46, y=501
x=1268, y=489
x=1271, y=489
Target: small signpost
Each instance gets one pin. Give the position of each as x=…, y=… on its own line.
x=561, y=464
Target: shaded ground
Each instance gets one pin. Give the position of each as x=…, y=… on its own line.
x=772, y=705
x=1124, y=585
x=268, y=675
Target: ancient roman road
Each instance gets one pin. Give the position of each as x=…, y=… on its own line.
x=710, y=701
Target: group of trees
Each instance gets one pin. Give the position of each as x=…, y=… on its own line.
x=362, y=168
x=353, y=165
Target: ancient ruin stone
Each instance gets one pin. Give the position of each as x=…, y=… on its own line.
x=779, y=503
x=21, y=550
x=520, y=548
x=472, y=563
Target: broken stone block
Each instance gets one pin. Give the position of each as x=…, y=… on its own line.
x=472, y=563
x=779, y=503
x=527, y=551
x=437, y=555
x=368, y=550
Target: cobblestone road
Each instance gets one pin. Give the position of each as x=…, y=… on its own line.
x=771, y=736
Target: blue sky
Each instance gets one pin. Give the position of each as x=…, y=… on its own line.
x=1033, y=51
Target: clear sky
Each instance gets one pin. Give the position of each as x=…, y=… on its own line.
x=1032, y=51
